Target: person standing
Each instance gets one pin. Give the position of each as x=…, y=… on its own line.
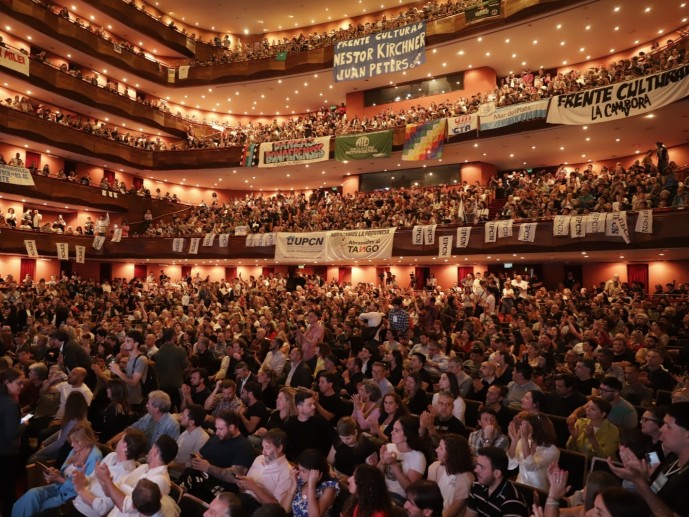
x=11, y=383
x=171, y=362
x=136, y=370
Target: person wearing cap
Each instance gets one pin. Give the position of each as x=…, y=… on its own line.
x=665, y=489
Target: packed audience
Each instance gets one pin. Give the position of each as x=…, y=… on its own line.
x=458, y=400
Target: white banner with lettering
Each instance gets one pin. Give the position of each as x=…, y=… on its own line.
x=80, y=254
x=505, y=228
x=527, y=232
x=241, y=231
x=16, y=175
x=644, y=222
x=577, y=227
x=194, y=243
x=208, y=239
x=462, y=124
x=463, y=236
x=31, y=249
x=595, y=222
x=62, y=251
x=491, y=231
x=14, y=60
x=509, y=115
x=98, y=242
x=300, y=247
x=620, y=100
x=429, y=234
x=359, y=244
x=616, y=226
x=178, y=245
x=224, y=240
x=561, y=225
x=417, y=235
x=117, y=235
x=445, y=246
x=260, y=240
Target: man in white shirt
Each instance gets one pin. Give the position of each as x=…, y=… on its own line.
x=162, y=452
x=74, y=382
x=275, y=359
x=91, y=499
x=191, y=440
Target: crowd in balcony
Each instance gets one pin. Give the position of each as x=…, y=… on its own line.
x=494, y=379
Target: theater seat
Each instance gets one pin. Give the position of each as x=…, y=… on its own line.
x=191, y=506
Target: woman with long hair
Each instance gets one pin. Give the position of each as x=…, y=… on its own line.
x=402, y=461
x=392, y=409
x=267, y=378
x=366, y=404
x=76, y=410
x=11, y=383
x=453, y=472
x=83, y=457
x=532, y=449
x=316, y=490
x=117, y=414
x=415, y=398
x=285, y=408
x=369, y=494
x=449, y=382
x=354, y=449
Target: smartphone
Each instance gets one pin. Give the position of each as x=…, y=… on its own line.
x=652, y=459
x=26, y=418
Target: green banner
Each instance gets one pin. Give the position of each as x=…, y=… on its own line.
x=487, y=9
x=363, y=146
x=281, y=56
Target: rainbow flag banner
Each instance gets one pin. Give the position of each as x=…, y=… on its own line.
x=424, y=141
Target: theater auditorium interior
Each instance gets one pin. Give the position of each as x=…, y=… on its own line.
x=279, y=167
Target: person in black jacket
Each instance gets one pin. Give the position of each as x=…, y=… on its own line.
x=11, y=382
x=73, y=355
x=298, y=374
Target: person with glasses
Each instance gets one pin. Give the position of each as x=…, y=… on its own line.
x=622, y=413
x=651, y=421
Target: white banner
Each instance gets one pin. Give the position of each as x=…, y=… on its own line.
x=490, y=231
x=209, y=239
x=429, y=234
x=505, y=228
x=462, y=124
x=31, y=249
x=294, y=152
x=98, y=242
x=644, y=222
x=224, y=240
x=117, y=235
x=171, y=75
x=241, y=231
x=509, y=115
x=616, y=226
x=254, y=240
x=620, y=100
x=269, y=239
x=417, y=235
x=15, y=175
x=561, y=225
x=80, y=254
x=577, y=227
x=62, y=251
x=445, y=246
x=527, y=232
x=183, y=71
x=194, y=245
x=14, y=60
x=178, y=245
x=359, y=244
x=300, y=247
x=595, y=222
x=463, y=236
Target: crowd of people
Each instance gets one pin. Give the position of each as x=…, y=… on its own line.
x=379, y=397
x=516, y=88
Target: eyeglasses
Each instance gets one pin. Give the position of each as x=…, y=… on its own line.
x=605, y=390
x=643, y=420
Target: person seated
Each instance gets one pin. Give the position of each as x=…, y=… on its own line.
x=532, y=449
x=424, y=499
x=157, y=421
x=83, y=457
x=91, y=500
x=354, y=449
x=316, y=490
x=489, y=434
x=453, y=472
x=594, y=434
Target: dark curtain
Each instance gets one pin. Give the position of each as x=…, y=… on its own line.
x=140, y=271
x=137, y=182
x=230, y=272
x=186, y=271
x=638, y=273
x=105, y=271
x=110, y=176
x=462, y=273
x=267, y=271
